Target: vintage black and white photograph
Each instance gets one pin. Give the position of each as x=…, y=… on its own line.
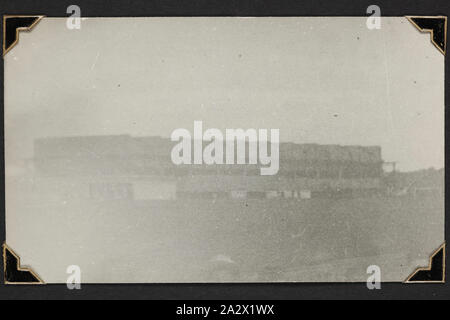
x=224, y=149
x=223, y=158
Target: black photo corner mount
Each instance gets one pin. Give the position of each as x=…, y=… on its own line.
x=14, y=273
x=12, y=25
x=436, y=26
x=434, y=273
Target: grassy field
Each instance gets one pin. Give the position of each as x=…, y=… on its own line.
x=263, y=240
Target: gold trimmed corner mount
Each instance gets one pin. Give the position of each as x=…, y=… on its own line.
x=436, y=26
x=434, y=273
x=12, y=25
x=12, y=271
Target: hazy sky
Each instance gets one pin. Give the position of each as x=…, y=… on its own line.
x=318, y=80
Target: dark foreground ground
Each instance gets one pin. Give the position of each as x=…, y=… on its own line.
x=233, y=240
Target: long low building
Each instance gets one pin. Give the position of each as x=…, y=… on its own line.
x=117, y=167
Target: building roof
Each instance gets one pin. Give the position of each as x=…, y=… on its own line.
x=157, y=147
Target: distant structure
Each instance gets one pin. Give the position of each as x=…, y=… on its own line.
x=140, y=168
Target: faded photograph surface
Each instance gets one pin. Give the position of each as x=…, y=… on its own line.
x=224, y=149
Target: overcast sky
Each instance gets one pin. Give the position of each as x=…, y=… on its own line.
x=318, y=80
